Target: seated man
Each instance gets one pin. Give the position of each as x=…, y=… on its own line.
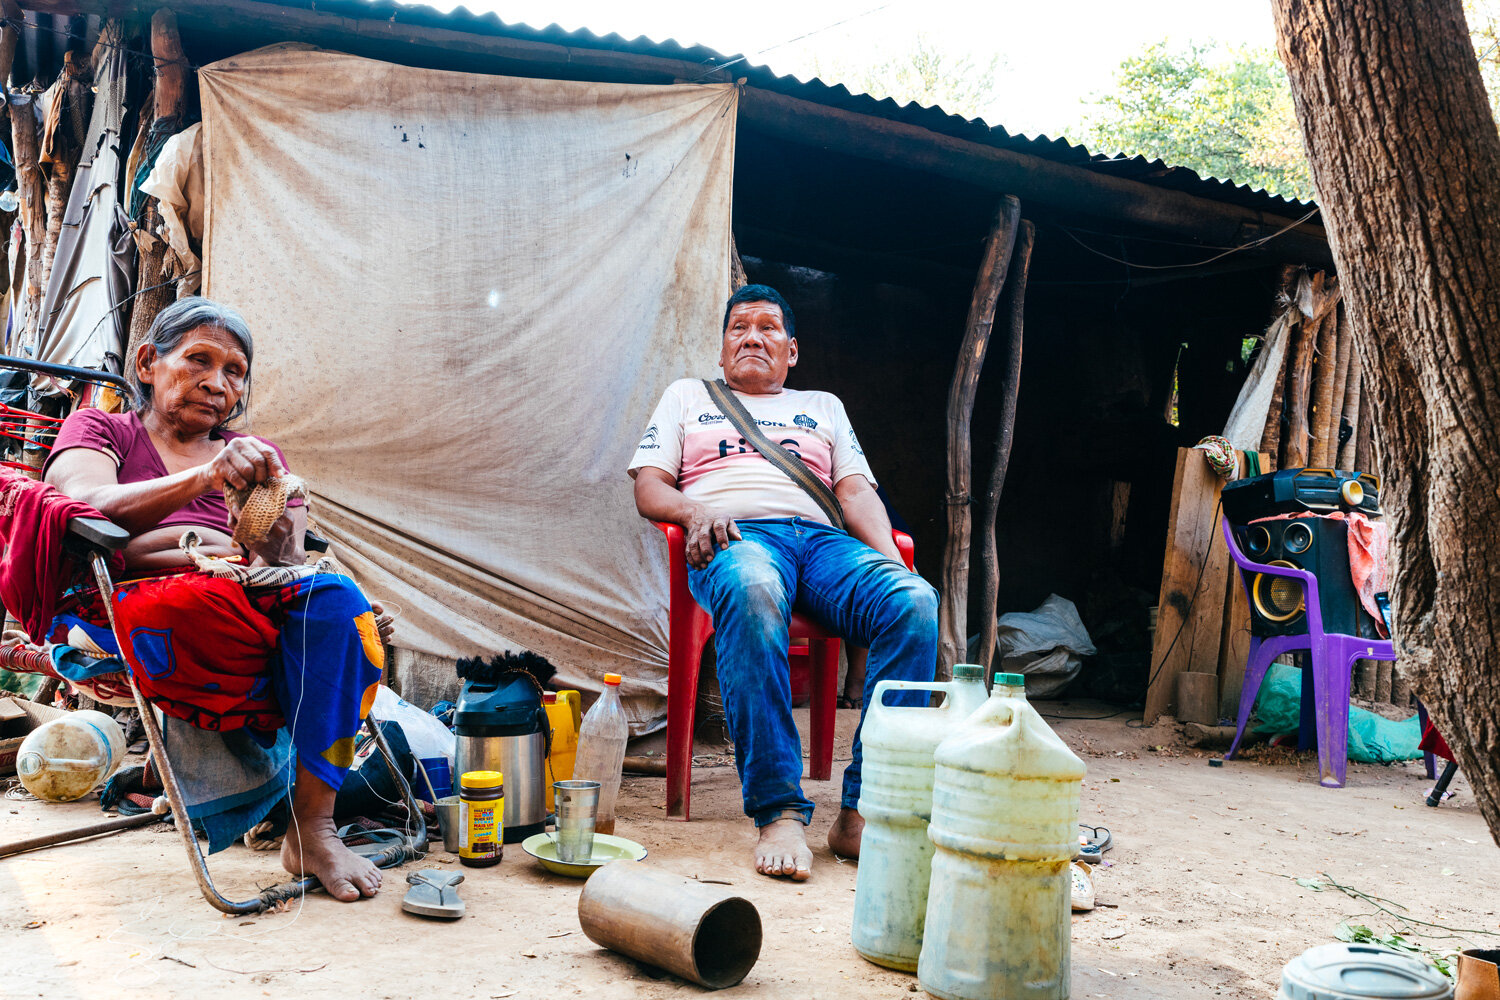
x=757, y=544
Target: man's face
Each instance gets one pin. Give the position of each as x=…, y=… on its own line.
x=757, y=352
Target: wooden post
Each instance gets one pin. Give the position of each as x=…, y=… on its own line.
x=1350, y=415
x=9, y=38
x=1324, y=384
x=153, y=292
x=33, y=219
x=63, y=136
x=989, y=558
x=1334, y=414
x=1315, y=298
x=953, y=617
x=737, y=278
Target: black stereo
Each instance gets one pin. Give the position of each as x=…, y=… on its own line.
x=1319, y=545
x=1297, y=491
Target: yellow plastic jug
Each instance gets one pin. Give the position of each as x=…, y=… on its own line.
x=1005, y=825
x=67, y=758
x=564, y=715
x=895, y=799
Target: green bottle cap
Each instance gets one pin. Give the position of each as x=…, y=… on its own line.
x=1011, y=680
x=968, y=672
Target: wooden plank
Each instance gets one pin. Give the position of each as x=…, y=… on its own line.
x=1190, y=616
x=1234, y=645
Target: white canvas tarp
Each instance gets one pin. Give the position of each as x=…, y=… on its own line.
x=467, y=294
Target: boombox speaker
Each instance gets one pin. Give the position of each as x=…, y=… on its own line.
x=1319, y=545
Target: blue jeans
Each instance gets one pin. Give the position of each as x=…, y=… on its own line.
x=750, y=589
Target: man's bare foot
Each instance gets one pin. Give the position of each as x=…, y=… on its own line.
x=845, y=834
x=312, y=848
x=782, y=850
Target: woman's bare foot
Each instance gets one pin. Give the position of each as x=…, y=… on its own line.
x=312, y=848
x=845, y=834
x=782, y=850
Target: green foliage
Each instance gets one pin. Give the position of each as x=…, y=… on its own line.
x=920, y=72
x=1223, y=112
x=1443, y=961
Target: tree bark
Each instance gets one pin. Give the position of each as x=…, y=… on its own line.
x=1406, y=159
x=989, y=556
x=953, y=611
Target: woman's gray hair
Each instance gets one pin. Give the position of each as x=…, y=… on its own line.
x=174, y=322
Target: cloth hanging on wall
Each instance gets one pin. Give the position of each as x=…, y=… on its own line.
x=467, y=293
x=94, y=266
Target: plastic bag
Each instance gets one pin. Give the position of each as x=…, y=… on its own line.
x=1047, y=645
x=1373, y=739
x=427, y=736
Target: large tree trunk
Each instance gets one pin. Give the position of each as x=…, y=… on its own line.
x=1406, y=160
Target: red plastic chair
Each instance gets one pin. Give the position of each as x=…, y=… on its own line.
x=689, y=630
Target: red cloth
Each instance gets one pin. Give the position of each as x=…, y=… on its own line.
x=1433, y=743
x=198, y=646
x=33, y=520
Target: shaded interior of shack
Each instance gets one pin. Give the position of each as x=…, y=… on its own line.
x=1134, y=345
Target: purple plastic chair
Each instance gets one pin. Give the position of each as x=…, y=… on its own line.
x=1325, y=687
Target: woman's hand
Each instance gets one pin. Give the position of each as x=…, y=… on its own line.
x=384, y=622
x=244, y=462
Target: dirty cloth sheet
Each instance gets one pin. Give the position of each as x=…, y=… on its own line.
x=92, y=271
x=467, y=292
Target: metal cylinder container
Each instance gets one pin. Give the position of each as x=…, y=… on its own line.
x=702, y=933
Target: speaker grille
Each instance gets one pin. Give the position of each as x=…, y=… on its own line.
x=1277, y=598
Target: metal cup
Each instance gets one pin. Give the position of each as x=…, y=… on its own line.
x=577, y=807
x=450, y=821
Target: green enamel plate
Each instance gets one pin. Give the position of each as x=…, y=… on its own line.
x=606, y=849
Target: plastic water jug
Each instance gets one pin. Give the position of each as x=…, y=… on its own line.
x=601, y=750
x=67, y=758
x=1005, y=825
x=895, y=799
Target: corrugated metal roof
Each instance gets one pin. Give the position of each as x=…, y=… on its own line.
x=935, y=119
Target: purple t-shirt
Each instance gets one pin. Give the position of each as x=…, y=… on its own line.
x=123, y=438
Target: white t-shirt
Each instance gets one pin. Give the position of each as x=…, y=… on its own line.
x=691, y=440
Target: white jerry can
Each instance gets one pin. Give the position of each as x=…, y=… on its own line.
x=895, y=800
x=1005, y=825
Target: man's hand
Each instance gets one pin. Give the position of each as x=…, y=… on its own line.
x=707, y=532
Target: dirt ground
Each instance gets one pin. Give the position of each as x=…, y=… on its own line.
x=1200, y=893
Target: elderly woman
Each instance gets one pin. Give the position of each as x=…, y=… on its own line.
x=208, y=650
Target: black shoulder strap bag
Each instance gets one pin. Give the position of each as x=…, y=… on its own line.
x=725, y=399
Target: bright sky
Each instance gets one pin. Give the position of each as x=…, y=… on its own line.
x=1055, y=54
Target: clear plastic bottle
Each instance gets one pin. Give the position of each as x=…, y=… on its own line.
x=601, y=750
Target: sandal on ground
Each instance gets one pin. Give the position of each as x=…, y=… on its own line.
x=433, y=894
x=1093, y=842
x=847, y=702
